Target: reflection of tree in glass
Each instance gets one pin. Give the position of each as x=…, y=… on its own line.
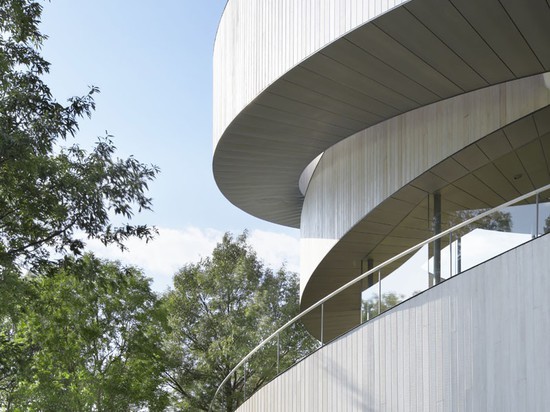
x=370, y=306
x=546, y=228
x=498, y=221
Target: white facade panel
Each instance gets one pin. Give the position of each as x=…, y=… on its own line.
x=477, y=342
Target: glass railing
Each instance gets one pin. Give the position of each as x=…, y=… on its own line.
x=473, y=237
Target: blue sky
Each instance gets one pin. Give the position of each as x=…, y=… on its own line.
x=153, y=64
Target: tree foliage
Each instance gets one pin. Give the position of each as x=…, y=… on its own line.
x=57, y=346
x=89, y=338
x=220, y=309
x=50, y=192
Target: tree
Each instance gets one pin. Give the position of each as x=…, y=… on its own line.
x=50, y=192
x=370, y=306
x=90, y=338
x=15, y=352
x=220, y=309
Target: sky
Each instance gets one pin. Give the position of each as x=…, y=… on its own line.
x=153, y=64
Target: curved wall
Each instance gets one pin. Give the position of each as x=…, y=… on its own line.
x=258, y=41
x=357, y=174
x=292, y=78
x=477, y=342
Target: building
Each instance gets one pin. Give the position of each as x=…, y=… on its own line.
x=359, y=122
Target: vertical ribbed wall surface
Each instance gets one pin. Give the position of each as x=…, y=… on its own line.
x=258, y=41
x=478, y=342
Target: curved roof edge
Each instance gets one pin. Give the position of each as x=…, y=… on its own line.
x=416, y=54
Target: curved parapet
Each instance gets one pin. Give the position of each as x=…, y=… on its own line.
x=478, y=342
x=403, y=99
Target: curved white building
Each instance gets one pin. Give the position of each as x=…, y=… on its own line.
x=357, y=121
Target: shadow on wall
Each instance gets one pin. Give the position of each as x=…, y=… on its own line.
x=352, y=393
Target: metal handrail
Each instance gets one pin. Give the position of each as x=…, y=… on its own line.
x=373, y=270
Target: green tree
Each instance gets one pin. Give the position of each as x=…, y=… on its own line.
x=220, y=309
x=50, y=192
x=15, y=352
x=53, y=193
x=90, y=338
x=389, y=300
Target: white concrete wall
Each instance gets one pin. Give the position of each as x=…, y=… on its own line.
x=258, y=41
x=477, y=342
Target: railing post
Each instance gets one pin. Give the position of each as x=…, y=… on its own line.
x=437, y=242
x=278, y=351
x=537, y=216
x=244, y=387
x=361, y=305
x=379, y=293
x=370, y=266
x=322, y=321
x=458, y=255
x=451, y=254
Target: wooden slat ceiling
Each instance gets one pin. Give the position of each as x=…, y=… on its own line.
x=416, y=54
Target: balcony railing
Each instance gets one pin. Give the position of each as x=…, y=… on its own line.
x=451, y=260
